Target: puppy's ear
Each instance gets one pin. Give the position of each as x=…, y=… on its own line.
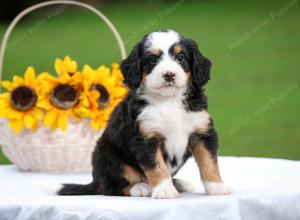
x=200, y=65
x=131, y=69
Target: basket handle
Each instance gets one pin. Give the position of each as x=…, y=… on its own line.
x=47, y=3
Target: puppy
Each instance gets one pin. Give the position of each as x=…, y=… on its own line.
x=160, y=124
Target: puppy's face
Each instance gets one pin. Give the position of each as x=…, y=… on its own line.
x=165, y=63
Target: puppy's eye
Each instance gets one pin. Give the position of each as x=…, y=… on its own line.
x=153, y=60
x=180, y=57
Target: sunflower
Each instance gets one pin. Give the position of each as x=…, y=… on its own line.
x=60, y=99
x=18, y=105
x=67, y=65
x=102, y=92
x=117, y=72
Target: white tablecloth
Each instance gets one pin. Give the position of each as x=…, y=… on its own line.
x=263, y=189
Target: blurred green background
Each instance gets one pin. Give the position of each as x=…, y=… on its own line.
x=254, y=47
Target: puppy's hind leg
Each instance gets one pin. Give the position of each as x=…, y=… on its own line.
x=136, y=187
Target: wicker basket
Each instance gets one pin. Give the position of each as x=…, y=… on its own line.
x=50, y=151
x=46, y=150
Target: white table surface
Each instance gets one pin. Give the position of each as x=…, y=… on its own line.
x=263, y=189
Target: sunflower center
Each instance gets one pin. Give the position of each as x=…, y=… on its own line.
x=104, y=100
x=64, y=96
x=23, y=98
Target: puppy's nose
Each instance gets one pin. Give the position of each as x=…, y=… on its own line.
x=169, y=76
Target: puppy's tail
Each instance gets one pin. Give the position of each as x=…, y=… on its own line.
x=77, y=189
x=69, y=189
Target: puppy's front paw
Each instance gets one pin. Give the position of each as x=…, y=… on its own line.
x=140, y=190
x=165, y=190
x=220, y=188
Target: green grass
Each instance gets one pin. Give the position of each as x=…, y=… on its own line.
x=245, y=80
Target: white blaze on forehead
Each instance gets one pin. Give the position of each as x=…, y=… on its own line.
x=162, y=40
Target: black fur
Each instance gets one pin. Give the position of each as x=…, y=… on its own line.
x=196, y=99
x=209, y=139
x=201, y=65
x=131, y=67
x=122, y=143
x=78, y=189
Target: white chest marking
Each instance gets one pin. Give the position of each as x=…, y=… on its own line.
x=172, y=121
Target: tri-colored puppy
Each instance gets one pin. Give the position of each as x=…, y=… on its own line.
x=158, y=126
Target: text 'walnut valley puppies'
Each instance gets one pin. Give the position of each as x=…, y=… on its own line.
x=158, y=126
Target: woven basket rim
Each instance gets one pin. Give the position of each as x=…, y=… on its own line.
x=28, y=10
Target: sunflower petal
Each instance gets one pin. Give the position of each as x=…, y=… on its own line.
x=58, y=66
x=18, y=81
x=50, y=118
x=55, y=124
x=8, y=85
x=4, y=112
x=29, y=77
x=4, y=104
x=44, y=104
x=87, y=70
x=104, y=71
x=110, y=81
x=82, y=111
x=94, y=95
x=16, y=125
x=73, y=67
x=65, y=78
x=85, y=102
x=5, y=96
x=37, y=113
x=115, y=66
x=67, y=60
x=95, y=123
x=13, y=114
x=35, y=126
x=119, y=92
x=63, y=122
x=30, y=121
x=43, y=76
x=77, y=77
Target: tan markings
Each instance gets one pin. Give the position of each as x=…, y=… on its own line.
x=160, y=172
x=177, y=49
x=151, y=134
x=144, y=78
x=190, y=79
x=126, y=190
x=156, y=52
x=209, y=169
x=202, y=130
x=131, y=175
